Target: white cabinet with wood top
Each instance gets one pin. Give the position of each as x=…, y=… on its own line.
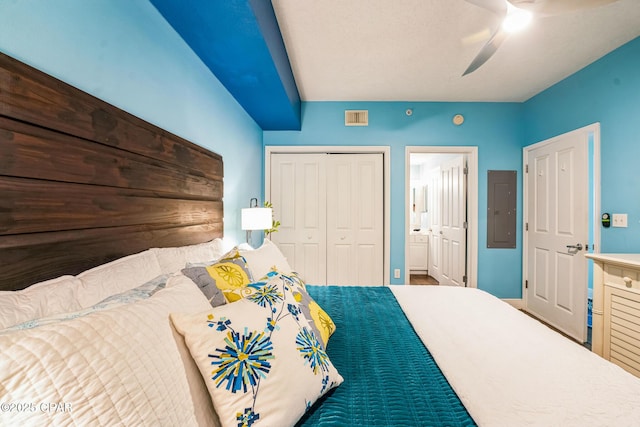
x=616, y=309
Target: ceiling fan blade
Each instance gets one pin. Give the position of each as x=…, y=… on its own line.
x=487, y=51
x=498, y=7
x=555, y=7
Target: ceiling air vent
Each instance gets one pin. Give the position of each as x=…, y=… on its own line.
x=356, y=117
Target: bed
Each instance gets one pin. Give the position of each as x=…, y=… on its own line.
x=506, y=368
x=120, y=304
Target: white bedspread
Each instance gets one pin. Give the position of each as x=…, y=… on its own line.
x=117, y=367
x=510, y=370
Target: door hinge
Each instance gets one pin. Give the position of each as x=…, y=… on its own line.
x=526, y=226
x=464, y=279
x=465, y=225
x=526, y=284
x=526, y=168
x=465, y=170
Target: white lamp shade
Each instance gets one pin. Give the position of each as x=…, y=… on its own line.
x=256, y=218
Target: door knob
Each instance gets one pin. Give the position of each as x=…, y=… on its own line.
x=577, y=247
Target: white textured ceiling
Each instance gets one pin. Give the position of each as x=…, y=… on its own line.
x=417, y=50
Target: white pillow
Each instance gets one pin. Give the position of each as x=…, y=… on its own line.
x=175, y=259
x=265, y=259
x=43, y=299
x=68, y=294
x=117, y=276
x=259, y=358
x=127, y=297
x=115, y=367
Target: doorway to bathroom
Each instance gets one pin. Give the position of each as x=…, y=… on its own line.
x=441, y=216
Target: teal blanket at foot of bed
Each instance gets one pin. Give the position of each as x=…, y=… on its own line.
x=390, y=378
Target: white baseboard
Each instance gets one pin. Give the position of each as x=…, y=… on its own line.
x=515, y=302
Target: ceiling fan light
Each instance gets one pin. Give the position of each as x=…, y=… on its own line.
x=516, y=20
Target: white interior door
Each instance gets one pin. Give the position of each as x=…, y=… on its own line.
x=355, y=219
x=435, y=196
x=298, y=195
x=453, y=218
x=557, y=217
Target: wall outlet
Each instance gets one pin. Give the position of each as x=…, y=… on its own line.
x=396, y=273
x=619, y=220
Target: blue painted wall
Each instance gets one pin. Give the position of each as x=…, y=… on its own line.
x=607, y=91
x=124, y=52
x=496, y=128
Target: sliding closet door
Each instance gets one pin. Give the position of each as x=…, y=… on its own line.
x=355, y=219
x=298, y=195
x=331, y=211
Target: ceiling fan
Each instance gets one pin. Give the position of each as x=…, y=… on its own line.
x=516, y=13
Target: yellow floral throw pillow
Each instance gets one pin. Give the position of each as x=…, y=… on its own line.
x=229, y=274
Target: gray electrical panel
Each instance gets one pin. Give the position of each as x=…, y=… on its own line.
x=501, y=209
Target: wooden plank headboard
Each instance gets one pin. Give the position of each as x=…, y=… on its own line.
x=83, y=182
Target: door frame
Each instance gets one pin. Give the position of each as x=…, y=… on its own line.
x=471, y=153
x=385, y=150
x=594, y=162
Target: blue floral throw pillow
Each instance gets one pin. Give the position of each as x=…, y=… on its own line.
x=261, y=361
x=319, y=320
